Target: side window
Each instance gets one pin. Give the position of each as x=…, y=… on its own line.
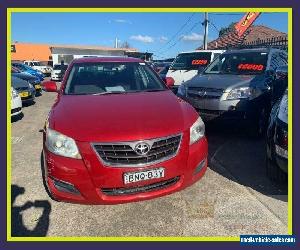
x=31, y=64
x=274, y=61
x=216, y=55
x=284, y=58
x=277, y=60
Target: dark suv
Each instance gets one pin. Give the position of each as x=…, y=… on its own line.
x=238, y=85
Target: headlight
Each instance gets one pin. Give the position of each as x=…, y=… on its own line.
x=182, y=90
x=239, y=93
x=14, y=93
x=283, y=109
x=61, y=145
x=197, y=131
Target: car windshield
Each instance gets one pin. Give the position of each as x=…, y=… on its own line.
x=191, y=61
x=112, y=77
x=59, y=67
x=239, y=63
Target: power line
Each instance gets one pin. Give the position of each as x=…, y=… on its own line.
x=180, y=29
x=213, y=25
x=178, y=40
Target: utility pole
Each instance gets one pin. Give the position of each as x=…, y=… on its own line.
x=205, y=23
x=116, y=43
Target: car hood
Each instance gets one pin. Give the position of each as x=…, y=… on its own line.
x=25, y=76
x=121, y=117
x=18, y=83
x=220, y=81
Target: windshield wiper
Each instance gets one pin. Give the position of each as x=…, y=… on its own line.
x=110, y=92
x=153, y=90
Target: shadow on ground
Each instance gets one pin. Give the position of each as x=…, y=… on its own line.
x=17, y=118
x=239, y=157
x=17, y=221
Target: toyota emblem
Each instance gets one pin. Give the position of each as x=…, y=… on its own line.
x=142, y=148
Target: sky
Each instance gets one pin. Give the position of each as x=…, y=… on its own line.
x=164, y=34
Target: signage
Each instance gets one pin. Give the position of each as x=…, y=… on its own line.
x=250, y=66
x=246, y=22
x=199, y=62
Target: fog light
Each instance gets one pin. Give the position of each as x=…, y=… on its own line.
x=65, y=187
x=200, y=166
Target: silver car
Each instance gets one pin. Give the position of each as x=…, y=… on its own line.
x=236, y=86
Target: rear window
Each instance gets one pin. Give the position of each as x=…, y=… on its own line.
x=112, y=77
x=239, y=63
x=191, y=61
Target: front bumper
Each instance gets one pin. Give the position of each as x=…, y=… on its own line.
x=96, y=182
x=16, y=106
x=38, y=88
x=215, y=109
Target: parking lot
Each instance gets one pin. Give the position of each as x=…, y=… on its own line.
x=234, y=197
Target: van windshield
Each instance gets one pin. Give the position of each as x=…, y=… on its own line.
x=239, y=63
x=112, y=78
x=191, y=61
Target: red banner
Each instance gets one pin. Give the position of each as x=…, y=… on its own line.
x=246, y=22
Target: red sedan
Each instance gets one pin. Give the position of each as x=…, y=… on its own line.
x=117, y=134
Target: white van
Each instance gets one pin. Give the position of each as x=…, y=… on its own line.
x=188, y=64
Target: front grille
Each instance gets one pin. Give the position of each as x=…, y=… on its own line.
x=140, y=189
x=205, y=93
x=123, y=153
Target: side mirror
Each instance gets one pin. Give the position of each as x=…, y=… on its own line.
x=281, y=72
x=50, y=86
x=169, y=81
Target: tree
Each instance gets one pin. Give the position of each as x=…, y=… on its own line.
x=125, y=45
x=227, y=29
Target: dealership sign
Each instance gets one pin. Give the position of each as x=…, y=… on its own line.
x=246, y=22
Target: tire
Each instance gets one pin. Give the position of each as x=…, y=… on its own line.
x=274, y=173
x=258, y=127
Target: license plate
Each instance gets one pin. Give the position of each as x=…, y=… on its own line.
x=37, y=86
x=24, y=94
x=144, y=175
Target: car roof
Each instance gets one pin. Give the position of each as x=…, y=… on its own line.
x=266, y=50
x=201, y=51
x=106, y=59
